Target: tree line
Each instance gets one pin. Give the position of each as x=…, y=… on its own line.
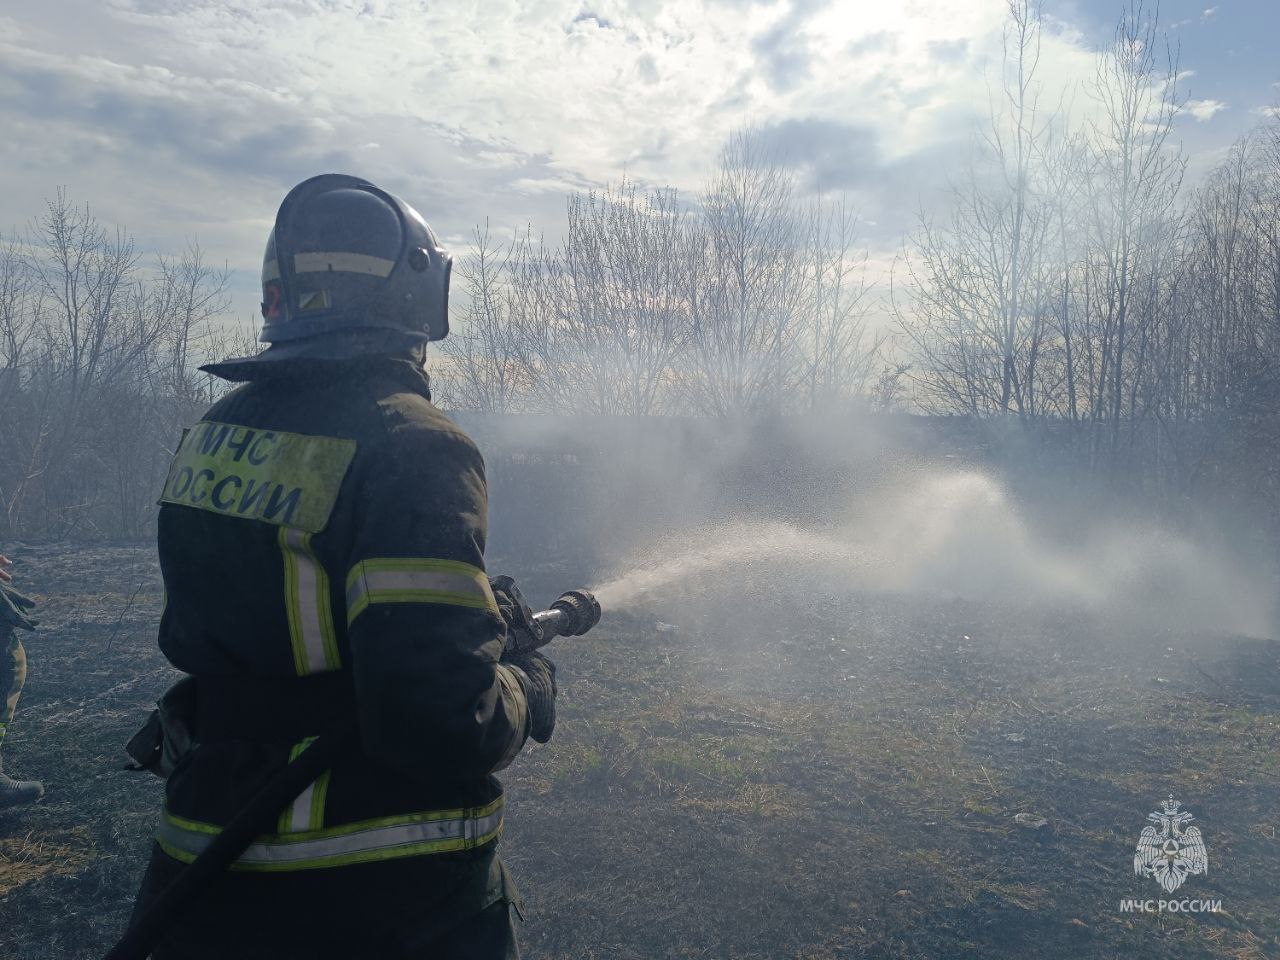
x=1076, y=288
x=98, y=356
x=753, y=300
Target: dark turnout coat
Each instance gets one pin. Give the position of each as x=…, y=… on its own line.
x=321, y=538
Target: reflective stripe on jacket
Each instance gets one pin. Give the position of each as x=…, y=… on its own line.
x=386, y=838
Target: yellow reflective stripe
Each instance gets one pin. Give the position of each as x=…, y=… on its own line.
x=307, y=810
x=373, y=855
x=284, y=823
x=413, y=580
x=386, y=838
x=319, y=792
x=307, y=603
x=191, y=826
x=357, y=826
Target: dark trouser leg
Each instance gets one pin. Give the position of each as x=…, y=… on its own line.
x=13, y=674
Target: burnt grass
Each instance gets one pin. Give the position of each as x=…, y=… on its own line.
x=804, y=777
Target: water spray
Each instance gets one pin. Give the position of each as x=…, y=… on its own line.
x=958, y=533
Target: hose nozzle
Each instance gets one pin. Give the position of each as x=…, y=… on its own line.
x=581, y=612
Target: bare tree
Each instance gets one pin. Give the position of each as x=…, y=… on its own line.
x=483, y=367
x=1214, y=377
x=21, y=307
x=22, y=438
x=1137, y=175
x=595, y=326
x=839, y=353
x=1065, y=168
x=751, y=283
x=98, y=371
x=620, y=304
x=980, y=286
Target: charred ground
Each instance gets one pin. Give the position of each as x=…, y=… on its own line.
x=809, y=777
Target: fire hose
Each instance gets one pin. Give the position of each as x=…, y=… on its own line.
x=573, y=614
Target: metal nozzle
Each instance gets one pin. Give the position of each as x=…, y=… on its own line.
x=581, y=612
x=576, y=612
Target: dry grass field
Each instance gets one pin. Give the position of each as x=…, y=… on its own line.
x=800, y=777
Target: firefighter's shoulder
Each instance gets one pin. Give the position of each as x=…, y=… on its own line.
x=419, y=480
x=412, y=423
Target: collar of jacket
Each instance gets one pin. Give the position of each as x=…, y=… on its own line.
x=406, y=370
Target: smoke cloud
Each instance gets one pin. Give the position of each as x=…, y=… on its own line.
x=957, y=533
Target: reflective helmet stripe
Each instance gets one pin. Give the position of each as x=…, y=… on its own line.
x=412, y=580
x=342, y=262
x=436, y=831
x=326, y=262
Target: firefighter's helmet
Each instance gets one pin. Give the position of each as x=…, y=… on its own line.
x=345, y=255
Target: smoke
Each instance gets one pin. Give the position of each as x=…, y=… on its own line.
x=956, y=533
x=661, y=511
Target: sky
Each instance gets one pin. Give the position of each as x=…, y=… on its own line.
x=188, y=120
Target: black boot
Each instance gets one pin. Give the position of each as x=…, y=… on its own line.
x=16, y=793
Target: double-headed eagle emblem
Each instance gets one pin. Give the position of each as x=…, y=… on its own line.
x=1171, y=853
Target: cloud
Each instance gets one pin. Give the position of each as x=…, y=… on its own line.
x=647, y=69
x=833, y=156
x=882, y=41
x=590, y=19
x=192, y=118
x=949, y=51
x=657, y=85
x=1203, y=110
x=784, y=49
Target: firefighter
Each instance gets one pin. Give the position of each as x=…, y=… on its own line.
x=321, y=538
x=13, y=673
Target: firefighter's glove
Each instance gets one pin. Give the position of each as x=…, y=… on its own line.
x=538, y=678
x=168, y=735
x=13, y=610
x=516, y=613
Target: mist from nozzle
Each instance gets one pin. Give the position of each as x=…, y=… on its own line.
x=955, y=533
x=751, y=549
